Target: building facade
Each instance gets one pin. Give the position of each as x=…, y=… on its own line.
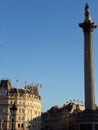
x=28, y=103
x=61, y=118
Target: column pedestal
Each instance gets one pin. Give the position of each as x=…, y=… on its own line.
x=88, y=120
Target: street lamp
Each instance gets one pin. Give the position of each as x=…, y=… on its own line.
x=1, y=124
x=29, y=126
x=13, y=110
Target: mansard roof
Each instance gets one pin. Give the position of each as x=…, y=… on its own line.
x=30, y=89
x=5, y=84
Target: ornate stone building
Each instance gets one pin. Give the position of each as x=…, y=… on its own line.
x=28, y=103
x=61, y=118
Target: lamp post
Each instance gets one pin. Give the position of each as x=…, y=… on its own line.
x=1, y=124
x=13, y=110
x=29, y=126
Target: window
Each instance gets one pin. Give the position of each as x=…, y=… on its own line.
x=22, y=118
x=30, y=111
x=11, y=102
x=23, y=110
x=18, y=125
x=9, y=125
x=11, y=94
x=27, y=118
x=85, y=126
x=22, y=125
x=19, y=110
x=35, y=112
x=19, y=118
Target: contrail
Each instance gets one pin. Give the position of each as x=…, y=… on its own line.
x=2, y=41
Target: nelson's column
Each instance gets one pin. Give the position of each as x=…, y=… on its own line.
x=88, y=119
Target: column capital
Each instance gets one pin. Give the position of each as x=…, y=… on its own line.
x=87, y=26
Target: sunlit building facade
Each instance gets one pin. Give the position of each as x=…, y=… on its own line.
x=28, y=103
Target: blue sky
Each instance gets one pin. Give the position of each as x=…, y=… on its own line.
x=41, y=42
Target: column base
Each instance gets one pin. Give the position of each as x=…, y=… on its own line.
x=88, y=120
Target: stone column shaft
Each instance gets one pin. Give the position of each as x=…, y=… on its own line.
x=88, y=27
x=89, y=71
